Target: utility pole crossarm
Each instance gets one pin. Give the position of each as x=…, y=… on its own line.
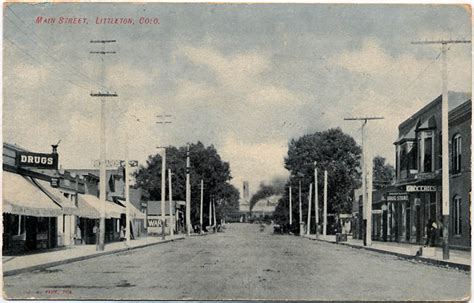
x=441, y=41
x=103, y=52
x=103, y=41
x=99, y=94
x=366, y=181
x=445, y=199
x=102, y=151
x=363, y=118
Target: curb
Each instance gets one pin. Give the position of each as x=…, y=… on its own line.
x=81, y=258
x=439, y=263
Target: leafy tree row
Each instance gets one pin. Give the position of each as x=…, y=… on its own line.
x=333, y=151
x=205, y=164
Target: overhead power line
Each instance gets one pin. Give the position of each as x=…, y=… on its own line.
x=47, y=51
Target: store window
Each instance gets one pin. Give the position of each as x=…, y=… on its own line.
x=456, y=157
x=403, y=159
x=408, y=151
x=428, y=161
x=457, y=215
x=425, y=157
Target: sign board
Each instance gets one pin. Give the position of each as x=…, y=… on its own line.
x=376, y=211
x=54, y=182
x=154, y=224
x=114, y=163
x=421, y=188
x=27, y=159
x=394, y=197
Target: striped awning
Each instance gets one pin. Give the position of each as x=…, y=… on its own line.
x=135, y=213
x=112, y=210
x=55, y=194
x=21, y=196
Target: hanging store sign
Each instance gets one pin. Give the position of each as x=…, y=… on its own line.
x=54, y=182
x=394, y=197
x=27, y=159
x=421, y=188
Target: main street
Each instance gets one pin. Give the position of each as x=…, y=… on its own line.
x=243, y=263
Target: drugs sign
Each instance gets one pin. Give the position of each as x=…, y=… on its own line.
x=27, y=159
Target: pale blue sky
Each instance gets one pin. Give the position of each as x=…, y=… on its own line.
x=244, y=77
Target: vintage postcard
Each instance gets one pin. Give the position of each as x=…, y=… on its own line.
x=236, y=151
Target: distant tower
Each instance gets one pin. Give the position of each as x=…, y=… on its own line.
x=245, y=201
x=246, y=192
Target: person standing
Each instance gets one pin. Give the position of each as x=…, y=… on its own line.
x=122, y=233
x=434, y=231
x=429, y=232
x=95, y=231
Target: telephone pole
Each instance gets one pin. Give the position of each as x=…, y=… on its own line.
x=300, y=212
x=102, y=175
x=200, y=206
x=188, y=194
x=290, y=208
x=366, y=186
x=170, y=197
x=210, y=211
x=308, y=230
x=127, y=190
x=444, y=138
x=163, y=178
x=325, y=203
x=163, y=192
x=316, y=206
x=127, y=178
x=214, y=213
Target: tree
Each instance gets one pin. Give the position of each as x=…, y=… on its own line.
x=205, y=164
x=383, y=174
x=334, y=151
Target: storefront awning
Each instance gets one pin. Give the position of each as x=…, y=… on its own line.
x=21, y=196
x=135, y=213
x=67, y=205
x=112, y=210
x=85, y=210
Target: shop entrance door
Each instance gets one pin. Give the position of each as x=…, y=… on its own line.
x=384, y=225
x=419, y=228
x=407, y=224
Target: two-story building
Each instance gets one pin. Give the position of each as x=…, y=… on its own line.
x=416, y=196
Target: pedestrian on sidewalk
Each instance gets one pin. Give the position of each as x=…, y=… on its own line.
x=122, y=233
x=431, y=230
x=95, y=231
x=78, y=236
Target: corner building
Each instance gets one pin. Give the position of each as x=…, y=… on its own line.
x=417, y=193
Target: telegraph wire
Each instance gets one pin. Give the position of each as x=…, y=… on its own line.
x=414, y=81
x=45, y=49
x=36, y=60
